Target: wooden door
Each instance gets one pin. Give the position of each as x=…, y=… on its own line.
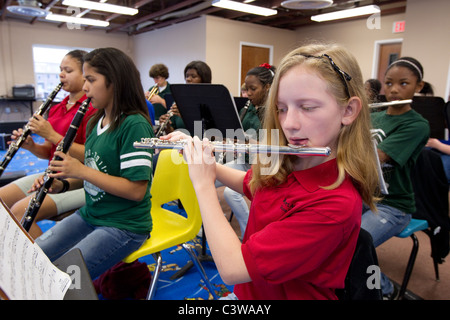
x=252, y=56
x=388, y=53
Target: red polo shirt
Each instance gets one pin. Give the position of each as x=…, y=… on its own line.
x=300, y=238
x=60, y=119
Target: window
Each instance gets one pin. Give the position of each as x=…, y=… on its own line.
x=46, y=69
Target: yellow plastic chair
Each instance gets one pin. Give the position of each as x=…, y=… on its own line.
x=171, y=182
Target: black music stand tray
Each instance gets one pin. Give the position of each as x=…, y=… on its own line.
x=240, y=102
x=212, y=107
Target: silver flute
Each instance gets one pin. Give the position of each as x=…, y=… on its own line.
x=155, y=143
x=390, y=103
x=163, y=126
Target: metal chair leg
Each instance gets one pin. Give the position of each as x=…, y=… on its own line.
x=436, y=259
x=409, y=267
x=154, y=281
x=436, y=269
x=200, y=269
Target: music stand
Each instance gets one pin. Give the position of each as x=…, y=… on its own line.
x=169, y=100
x=240, y=102
x=205, y=106
x=207, y=110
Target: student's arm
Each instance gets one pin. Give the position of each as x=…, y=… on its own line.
x=222, y=239
x=232, y=178
x=436, y=144
x=70, y=167
x=383, y=156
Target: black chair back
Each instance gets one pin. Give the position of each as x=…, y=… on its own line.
x=356, y=281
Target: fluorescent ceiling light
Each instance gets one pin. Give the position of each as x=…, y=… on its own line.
x=100, y=6
x=249, y=8
x=361, y=11
x=75, y=20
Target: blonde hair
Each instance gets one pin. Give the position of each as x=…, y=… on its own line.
x=355, y=154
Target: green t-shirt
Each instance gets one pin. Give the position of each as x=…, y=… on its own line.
x=251, y=123
x=402, y=138
x=113, y=153
x=252, y=120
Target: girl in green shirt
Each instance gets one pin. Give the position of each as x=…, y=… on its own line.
x=116, y=218
x=401, y=134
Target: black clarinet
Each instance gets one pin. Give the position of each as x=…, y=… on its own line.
x=64, y=145
x=15, y=145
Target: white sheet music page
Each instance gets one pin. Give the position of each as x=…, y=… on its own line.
x=26, y=273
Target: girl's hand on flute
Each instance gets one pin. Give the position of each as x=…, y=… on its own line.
x=163, y=118
x=202, y=164
x=175, y=110
x=175, y=136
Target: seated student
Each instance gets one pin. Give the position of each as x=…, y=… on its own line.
x=306, y=210
x=401, y=134
x=16, y=194
x=116, y=218
x=373, y=88
x=257, y=81
x=244, y=91
x=160, y=73
x=427, y=90
x=194, y=72
x=444, y=150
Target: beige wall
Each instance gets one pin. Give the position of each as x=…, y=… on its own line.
x=223, y=48
x=355, y=36
x=217, y=41
x=427, y=34
x=17, y=39
x=427, y=38
x=213, y=40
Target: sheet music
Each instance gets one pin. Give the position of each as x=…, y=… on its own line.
x=26, y=273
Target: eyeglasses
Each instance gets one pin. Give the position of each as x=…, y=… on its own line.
x=342, y=74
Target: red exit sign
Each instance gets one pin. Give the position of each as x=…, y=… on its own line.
x=399, y=26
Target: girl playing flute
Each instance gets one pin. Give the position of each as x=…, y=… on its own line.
x=305, y=211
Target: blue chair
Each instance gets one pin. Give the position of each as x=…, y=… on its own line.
x=414, y=226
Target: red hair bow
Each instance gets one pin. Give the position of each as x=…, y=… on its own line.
x=266, y=65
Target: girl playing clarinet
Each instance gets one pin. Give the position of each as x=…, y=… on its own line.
x=116, y=218
x=16, y=194
x=305, y=211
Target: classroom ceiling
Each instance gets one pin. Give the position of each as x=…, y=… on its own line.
x=157, y=14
